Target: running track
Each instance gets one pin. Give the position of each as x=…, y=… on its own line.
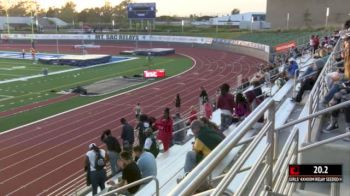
x=46, y=158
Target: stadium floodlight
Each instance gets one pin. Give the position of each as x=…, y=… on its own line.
x=182, y=25
x=288, y=17
x=327, y=15
x=7, y=21
x=251, y=24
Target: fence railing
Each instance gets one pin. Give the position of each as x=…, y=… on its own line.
x=320, y=89
x=136, y=183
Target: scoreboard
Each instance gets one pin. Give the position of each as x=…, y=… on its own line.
x=140, y=11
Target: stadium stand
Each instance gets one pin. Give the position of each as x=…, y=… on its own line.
x=171, y=163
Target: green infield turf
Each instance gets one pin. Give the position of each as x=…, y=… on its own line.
x=21, y=93
x=17, y=68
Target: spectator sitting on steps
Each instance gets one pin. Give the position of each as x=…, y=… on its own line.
x=131, y=173
x=206, y=140
x=145, y=161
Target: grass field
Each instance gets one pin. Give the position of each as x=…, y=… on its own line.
x=12, y=68
x=22, y=93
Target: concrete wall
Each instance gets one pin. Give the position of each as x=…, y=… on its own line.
x=276, y=12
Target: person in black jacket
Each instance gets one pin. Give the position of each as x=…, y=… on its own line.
x=113, y=148
x=141, y=127
x=127, y=135
x=178, y=103
x=203, y=96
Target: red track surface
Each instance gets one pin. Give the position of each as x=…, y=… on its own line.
x=35, y=105
x=47, y=157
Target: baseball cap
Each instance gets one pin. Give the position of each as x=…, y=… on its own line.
x=92, y=145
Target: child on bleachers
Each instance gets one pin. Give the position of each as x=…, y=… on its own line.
x=242, y=107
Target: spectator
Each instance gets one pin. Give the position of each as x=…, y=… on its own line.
x=138, y=111
x=312, y=43
x=179, y=124
x=141, y=127
x=206, y=140
x=178, y=103
x=23, y=53
x=212, y=126
x=295, y=52
x=334, y=115
x=165, y=128
x=292, y=69
x=130, y=174
x=208, y=109
x=242, y=107
x=94, y=166
x=316, y=42
x=226, y=103
x=127, y=135
x=113, y=148
x=307, y=82
x=193, y=115
x=146, y=162
x=347, y=25
x=151, y=144
x=203, y=96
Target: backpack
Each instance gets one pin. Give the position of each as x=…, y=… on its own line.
x=99, y=161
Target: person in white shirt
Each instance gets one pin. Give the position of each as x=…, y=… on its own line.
x=95, y=167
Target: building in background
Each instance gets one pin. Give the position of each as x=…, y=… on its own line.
x=254, y=20
x=25, y=23
x=306, y=13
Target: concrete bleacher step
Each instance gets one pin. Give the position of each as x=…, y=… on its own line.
x=281, y=93
x=283, y=112
x=345, y=185
x=169, y=165
x=307, y=193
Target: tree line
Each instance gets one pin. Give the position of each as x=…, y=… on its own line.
x=68, y=12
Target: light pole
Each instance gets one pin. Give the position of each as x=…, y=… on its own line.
x=182, y=25
x=251, y=24
x=7, y=21
x=57, y=48
x=288, y=15
x=101, y=21
x=113, y=22
x=327, y=15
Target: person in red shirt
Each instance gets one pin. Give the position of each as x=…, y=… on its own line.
x=165, y=128
x=226, y=102
x=208, y=109
x=193, y=115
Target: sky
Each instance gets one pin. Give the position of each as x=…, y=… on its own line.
x=177, y=7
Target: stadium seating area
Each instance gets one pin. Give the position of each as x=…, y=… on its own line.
x=170, y=164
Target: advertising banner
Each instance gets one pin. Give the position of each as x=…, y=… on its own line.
x=285, y=46
x=158, y=73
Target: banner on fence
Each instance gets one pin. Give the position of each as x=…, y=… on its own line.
x=285, y=46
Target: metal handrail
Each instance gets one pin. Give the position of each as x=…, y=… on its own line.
x=138, y=182
x=326, y=141
x=316, y=114
x=317, y=91
x=195, y=178
x=235, y=168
